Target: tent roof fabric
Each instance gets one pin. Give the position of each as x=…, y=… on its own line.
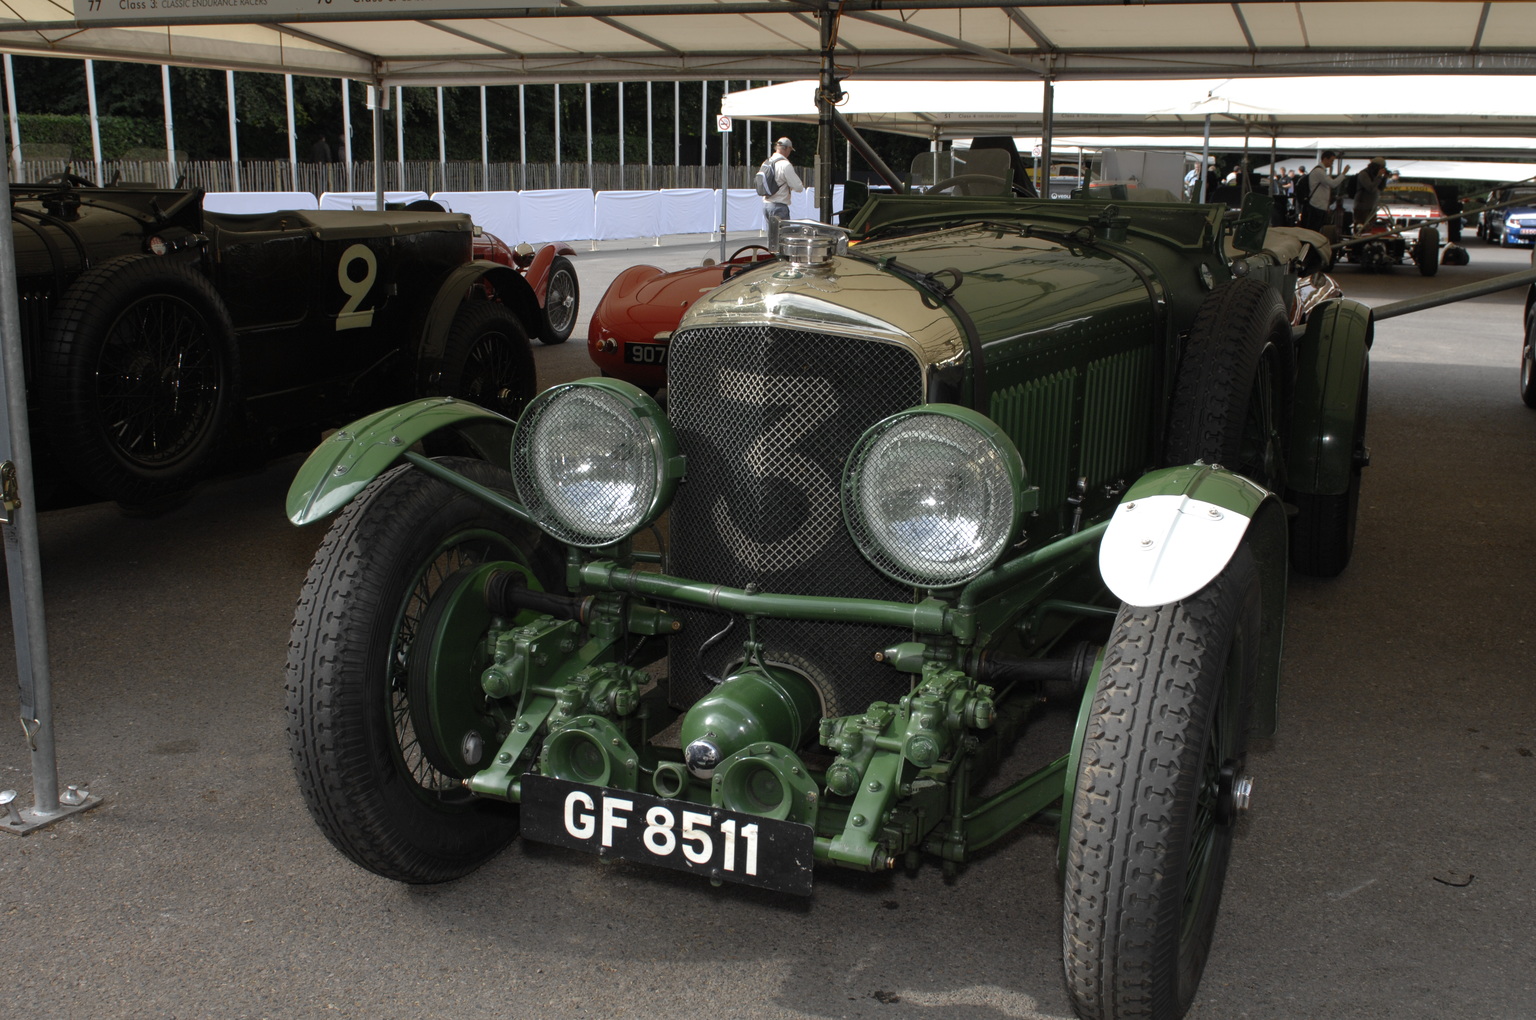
x=450, y=42
x=1461, y=107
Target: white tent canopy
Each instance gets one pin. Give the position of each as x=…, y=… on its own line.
x=448, y=42
x=1460, y=109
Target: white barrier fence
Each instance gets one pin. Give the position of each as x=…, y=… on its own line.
x=567, y=214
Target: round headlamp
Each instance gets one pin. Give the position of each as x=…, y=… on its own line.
x=594, y=461
x=934, y=495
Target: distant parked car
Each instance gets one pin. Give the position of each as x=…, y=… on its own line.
x=1389, y=238
x=633, y=323
x=159, y=337
x=1514, y=224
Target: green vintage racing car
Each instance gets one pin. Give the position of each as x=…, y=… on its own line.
x=994, y=454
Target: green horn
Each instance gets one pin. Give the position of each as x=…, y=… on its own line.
x=758, y=704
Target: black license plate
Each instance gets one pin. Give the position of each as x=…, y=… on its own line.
x=645, y=354
x=678, y=834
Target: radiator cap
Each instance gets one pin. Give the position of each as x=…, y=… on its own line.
x=810, y=243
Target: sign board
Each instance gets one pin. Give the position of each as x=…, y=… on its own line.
x=160, y=12
x=722, y=122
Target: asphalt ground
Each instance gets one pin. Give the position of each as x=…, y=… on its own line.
x=1385, y=870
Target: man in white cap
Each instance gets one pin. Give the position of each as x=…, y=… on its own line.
x=776, y=205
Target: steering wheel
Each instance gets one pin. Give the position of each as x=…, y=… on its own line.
x=964, y=181
x=749, y=247
x=67, y=178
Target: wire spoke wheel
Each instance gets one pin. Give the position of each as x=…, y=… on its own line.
x=464, y=550
x=157, y=380
x=562, y=298
x=359, y=745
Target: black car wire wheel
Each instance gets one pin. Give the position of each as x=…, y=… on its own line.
x=487, y=360
x=562, y=299
x=367, y=778
x=139, y=378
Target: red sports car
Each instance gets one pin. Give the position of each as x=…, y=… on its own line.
x=548, y=271
x=634, y=321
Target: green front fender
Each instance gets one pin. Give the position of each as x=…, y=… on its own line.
x=356, y=454
x=1332, y=364
x=1176, y=529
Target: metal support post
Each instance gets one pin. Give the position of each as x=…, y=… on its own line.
x=170, y=123
x=23, y=563
x=10, y=102
x=293, y=135
x=379, y=100
x=234, y=134
x=90, y=99
x=346, y=129
x=1047, y=126
x=824, y=101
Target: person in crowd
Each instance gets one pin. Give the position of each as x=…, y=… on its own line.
x=320, y=151
x=1368, y=184
x=1318, y=189
x=776, y=205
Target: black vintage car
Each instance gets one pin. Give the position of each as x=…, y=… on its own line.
x=160, y=338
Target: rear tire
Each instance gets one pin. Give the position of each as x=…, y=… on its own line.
x=139, y=381
x=1150, y=830
x=1426, y=251
x=1232, y=394
x=562, y=300
x=351, y=725
x=1528, y=359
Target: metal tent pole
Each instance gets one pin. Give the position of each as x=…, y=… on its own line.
x=522, y=139
x=24, y=569
x=1205, y=161
x=557, y=135
x=1048, y=119
x=380, y=98
x=587, y=96
x=824, y=120
x=621, y=136
x=10, y=102
x=399, y=138
x=650, y=141
x=442, y=145
x=234, y=134
x=485, y=147
x=293, y=136
x=346, y=128
x=170, y=123
x=90, y=99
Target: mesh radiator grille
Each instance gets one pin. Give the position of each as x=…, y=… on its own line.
x=766, y=417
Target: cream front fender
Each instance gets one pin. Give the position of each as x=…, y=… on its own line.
x=1174, y=531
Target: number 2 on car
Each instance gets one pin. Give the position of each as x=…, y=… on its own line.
x=349, y=317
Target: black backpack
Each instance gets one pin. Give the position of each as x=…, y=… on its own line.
x=767, y=180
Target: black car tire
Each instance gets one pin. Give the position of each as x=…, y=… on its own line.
x=562, y=300
x=487, y=359
x=1528, y=360
x=352, y=738
x=139, y=379
x=1426, y=251
x=1232, y=392
x=1151, y=823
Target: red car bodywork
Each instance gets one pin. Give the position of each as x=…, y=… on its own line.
x=533, y=265
x=633, y=323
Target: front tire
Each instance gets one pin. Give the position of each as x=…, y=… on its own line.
x=356, y=751
x=562, y=300
x=487, y=359
x=1150, y=830
x=139, y=378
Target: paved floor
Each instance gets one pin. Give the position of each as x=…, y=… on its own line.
x=1386, y=870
